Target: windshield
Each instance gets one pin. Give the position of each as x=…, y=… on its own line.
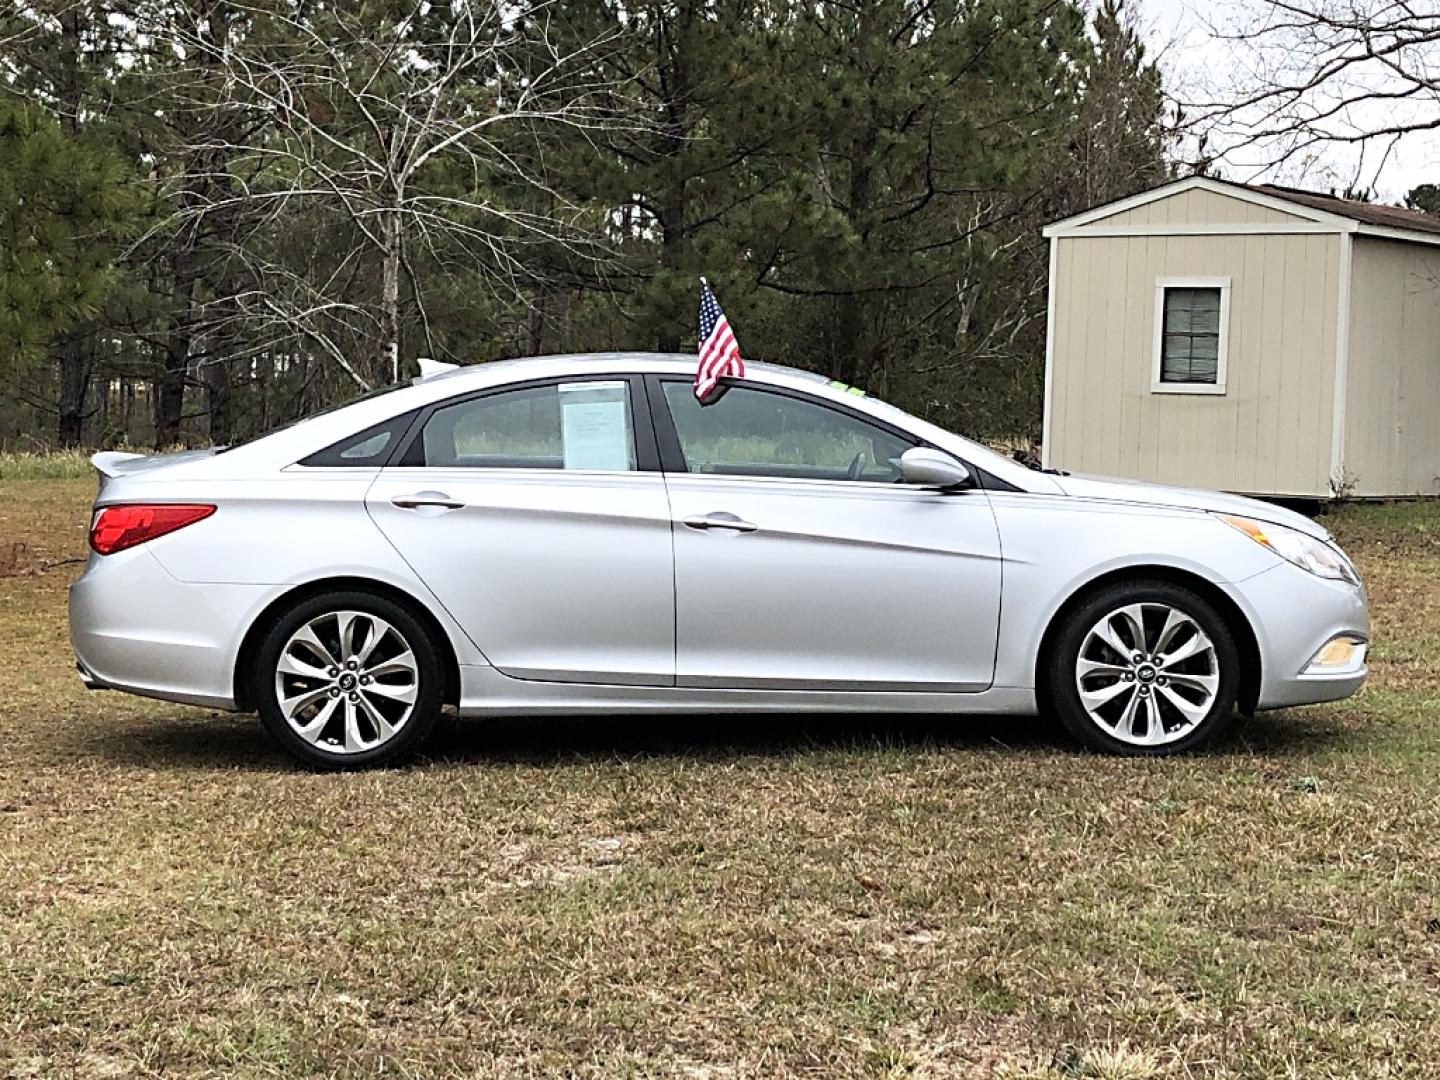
x=977, y=453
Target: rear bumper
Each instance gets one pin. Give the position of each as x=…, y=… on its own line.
x=88, y=677
x=135, y=628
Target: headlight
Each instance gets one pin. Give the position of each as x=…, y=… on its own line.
x=1294, y=546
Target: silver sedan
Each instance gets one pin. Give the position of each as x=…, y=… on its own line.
x=578, y=535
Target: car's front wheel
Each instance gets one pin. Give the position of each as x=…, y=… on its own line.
x=348, y=680
x=1144, y=668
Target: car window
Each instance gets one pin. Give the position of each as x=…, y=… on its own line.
x=369, y=395
x=752, y=432
x=369, y=448
x=573, y=425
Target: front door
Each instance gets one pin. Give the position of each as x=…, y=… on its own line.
x=525, y=512
x=802, y=561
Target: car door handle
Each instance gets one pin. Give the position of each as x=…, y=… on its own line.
x=718, y=520
x=426, y=498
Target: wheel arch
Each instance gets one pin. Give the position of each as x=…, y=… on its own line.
x=1235, y=621
x=244, y=674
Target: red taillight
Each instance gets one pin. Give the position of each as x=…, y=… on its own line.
x=116, y=528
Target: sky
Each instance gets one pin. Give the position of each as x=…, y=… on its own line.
x=1181, y=33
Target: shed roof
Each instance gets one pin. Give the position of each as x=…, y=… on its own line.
x=1315, y=211
x=1396, y=217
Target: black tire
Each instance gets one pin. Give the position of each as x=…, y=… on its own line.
x=1059, y=689
x=428, y=682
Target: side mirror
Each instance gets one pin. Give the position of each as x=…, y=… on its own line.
x=932, y=468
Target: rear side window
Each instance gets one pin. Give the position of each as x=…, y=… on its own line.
x=368, y=449
x=572, y=425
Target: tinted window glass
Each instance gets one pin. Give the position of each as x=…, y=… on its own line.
x=370, y=448
x=577, y=425
x=752, y=432
x=368, y=395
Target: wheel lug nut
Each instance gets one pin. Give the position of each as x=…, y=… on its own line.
x=364, y=680
x=1144, y=691
x=351, y=664
x=1129, y=676
x=354, y=696
x=334, y=691
x=1139, y=657
x=332, y=671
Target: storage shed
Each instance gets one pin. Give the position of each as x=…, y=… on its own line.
x=1255, y=339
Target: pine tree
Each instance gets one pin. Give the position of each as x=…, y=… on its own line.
x=694, y=168
x=938, y=130
x=1120, y=134
x=63, y=204
x=1424, y=197
x=62, y=62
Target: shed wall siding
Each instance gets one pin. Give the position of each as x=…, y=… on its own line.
x=1200, y=207
x=1270, y=433
x=1392, y=414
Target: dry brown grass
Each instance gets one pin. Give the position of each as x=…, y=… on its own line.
x=717, y=898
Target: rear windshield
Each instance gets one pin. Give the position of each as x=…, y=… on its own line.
x=379, y=391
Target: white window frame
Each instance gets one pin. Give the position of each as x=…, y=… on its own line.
x=1222, y=347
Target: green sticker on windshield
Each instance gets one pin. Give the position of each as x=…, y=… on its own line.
x=836, y=384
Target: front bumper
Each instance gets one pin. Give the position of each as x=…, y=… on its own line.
x=1294, y=614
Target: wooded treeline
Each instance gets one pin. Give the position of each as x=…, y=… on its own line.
x=217, y=216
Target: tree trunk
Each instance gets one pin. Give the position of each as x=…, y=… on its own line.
x=302, y=365
x=169, y=407
x=102, y=411
x=673, y=237
x=264, y=369
x=672, y=257
x=390, y=300
x=170, y=389
x=538, y=316
x=219, y=404
x=851, y=359
x=74, y=358
x=74, y=388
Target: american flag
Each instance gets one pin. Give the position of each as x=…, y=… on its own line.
x=719, y=354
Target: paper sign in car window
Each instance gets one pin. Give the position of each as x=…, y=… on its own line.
x=595, y=424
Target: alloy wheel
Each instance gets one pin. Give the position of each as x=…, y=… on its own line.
x=347, y=682
x=1147, y=674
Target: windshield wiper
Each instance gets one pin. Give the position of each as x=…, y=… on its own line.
x=1030, y=461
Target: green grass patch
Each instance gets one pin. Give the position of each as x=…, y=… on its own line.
x=54, y=465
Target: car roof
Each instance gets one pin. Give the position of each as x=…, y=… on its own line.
x=500, y=371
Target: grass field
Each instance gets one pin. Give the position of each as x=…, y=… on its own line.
x=716, y=898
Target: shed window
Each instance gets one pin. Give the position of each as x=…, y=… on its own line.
x=1190, y=333
x=1192, y=336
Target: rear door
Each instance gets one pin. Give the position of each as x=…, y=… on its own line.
x=803, y=562
x=537, y=516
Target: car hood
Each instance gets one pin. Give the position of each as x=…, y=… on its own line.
x=1136, y=491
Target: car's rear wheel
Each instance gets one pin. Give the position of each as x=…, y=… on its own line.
x=348, y=680
x=1144, y=668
